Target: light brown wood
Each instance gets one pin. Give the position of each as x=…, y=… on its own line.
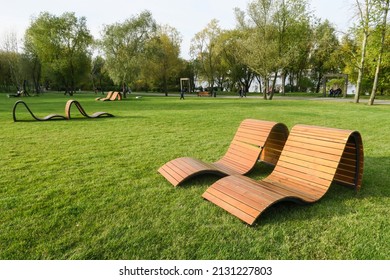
x=312, y=158
x=115, y=95
x=109, y=94
x=253, y=137
x=203, y=93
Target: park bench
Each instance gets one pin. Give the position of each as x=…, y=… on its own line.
x=69, y=104
x=312, y=158
x=46, y=118
x=203, y=93
x=254, y=140
x=109, y=94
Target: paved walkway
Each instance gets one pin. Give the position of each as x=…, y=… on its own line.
x=276, y=97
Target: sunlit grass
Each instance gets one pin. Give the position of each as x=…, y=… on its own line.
x=89, y=188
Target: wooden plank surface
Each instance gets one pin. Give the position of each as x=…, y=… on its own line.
x=312, y=158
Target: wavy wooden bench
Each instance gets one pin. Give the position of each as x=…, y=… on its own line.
x=69, y=104
x=47, y=118
x=109, y=94
x=253, y=139
x=312, y=158
x=114, y=96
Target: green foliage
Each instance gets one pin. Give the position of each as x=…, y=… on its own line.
x=206, y=54
x=161, y=64
x=61, y=44
x=277, y=39
x=89, y=188
x=324, y=56
x=123, y=45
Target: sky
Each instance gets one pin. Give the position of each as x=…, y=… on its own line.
x=187, y=16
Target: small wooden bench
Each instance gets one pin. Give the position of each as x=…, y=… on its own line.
x=203, y=93
x=312, y=158
x=109, y=94
x=253, y=139
x=69, y=104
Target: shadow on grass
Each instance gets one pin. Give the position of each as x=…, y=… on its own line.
x=260, y=170
x=338, y=201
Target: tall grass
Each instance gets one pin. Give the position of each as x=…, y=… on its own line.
x=89, y=188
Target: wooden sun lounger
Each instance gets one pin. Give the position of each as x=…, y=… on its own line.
x=109, y=94
x=82, y=111
x=312, y=158
x=114, y=96
x=47, y=118
x=253, y=139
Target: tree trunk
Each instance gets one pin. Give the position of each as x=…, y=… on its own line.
x=378, y=66
x=283, y=83
x=361, y=68
x=273, y=86
x=319, y=83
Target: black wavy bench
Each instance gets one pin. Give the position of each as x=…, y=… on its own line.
x=47, y=118
x=67, y=116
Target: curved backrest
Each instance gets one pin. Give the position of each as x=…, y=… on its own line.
x=116, y=95
x=109, y=94
x=68, y=106
x=25, y=105
x=47, y=118
x=313, y=157
x=251, y=138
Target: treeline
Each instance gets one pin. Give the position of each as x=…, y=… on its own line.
x=274, y=40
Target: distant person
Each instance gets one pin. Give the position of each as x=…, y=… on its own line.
x=338, y=92
x=331, y=92
x=182, y=93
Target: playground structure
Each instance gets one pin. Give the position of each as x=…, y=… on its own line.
x=344, y=88
x=185, y=85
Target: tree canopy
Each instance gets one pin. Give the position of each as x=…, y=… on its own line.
x=279, y=43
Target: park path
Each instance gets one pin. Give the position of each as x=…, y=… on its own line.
x=278, y=97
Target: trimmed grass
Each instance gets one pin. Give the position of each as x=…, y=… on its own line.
x=89, y=188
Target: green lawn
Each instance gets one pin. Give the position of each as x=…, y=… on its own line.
x=89, y=188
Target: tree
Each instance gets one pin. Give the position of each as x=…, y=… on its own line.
x=61, y=44
x=12, y=59
x=123, y=45
x=323, y=52
x=384, y=7
x=99, y=76
x=162, y=62
x=294, y=39
x=34, y=63
x=277, y=39
x=366, y=14
x=235, y=73
x=259, y=44
x=203, y=50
